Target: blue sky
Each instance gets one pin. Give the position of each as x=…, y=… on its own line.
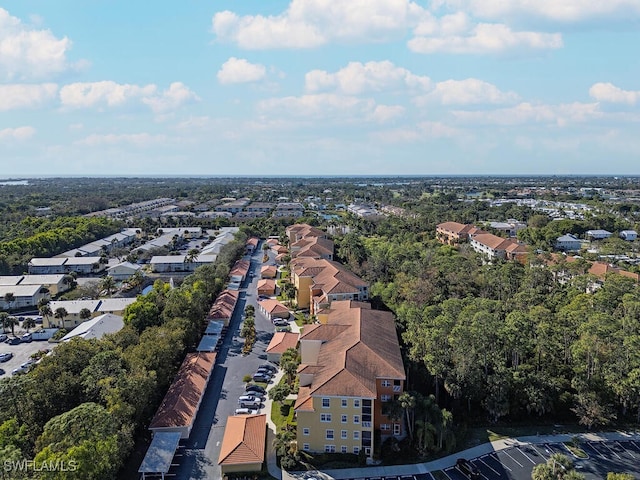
x=319, y=87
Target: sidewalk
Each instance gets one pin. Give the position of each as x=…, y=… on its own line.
x=450, y=460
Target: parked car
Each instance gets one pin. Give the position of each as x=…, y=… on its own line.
x=5, y=357
x=250, y=398
x=3, y=337
x=259, y=377
x=283, y=329
x=268, y=366
x=264, y=371
x=29, y=363
x=254, y=388
x=20, y=370
x=27, y=338
x=13, y=341
x=252, y=405
x=467, y=468
x=245, y=411
x=2, y=372
x=263, y=297
x=280, y=322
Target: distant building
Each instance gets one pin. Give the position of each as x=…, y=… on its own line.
x=96, y=328
x=493, y=246
x=453, y=233
x=628, y=235
x=568, y=243
x=598, y=234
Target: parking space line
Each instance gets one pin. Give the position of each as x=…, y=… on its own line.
x=594, y=445
x=507, y=453
x=539, y=452
x=488, y=466
x=635, y=444
x=525, y=454
x=627, y=451
x=447, y=475
x=612, y=450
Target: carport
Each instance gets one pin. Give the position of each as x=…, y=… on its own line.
x=160, y=453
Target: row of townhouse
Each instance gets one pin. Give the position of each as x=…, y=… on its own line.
x=104, y=245
x=351, y=365
x=488, y=244
x=133, y=208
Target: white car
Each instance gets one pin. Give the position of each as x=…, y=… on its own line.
x=245, y=411
x=251, y=398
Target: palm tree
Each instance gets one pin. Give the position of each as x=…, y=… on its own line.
x=408, y=403
x=85, y=314
x=61, y=314
x=28, y=323
x=9, y=298
x=11, y=322
x=3, y=320
x=192, y=255
x=45, y=310
x=108, y=284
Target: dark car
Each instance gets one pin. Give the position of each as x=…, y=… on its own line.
x=3, y=337
x=5, y=357
x=259, y=377
x=2, y=372
x=265, y=371
x=467, y=468
x=13, y=341
x=254, y=388
x=268, y=366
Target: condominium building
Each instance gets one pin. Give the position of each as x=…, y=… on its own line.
x=351, y=367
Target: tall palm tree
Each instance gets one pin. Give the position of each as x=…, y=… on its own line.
x=3, y=321
x=9, y=298
x=12, y=322
x=45, y=311
x=28, y=323
x=192, y=255
x=108, y=283
x=408, y=403
x=61, y=313
x=85, y=314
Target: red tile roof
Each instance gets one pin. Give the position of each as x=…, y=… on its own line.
x=273, y=306
x=180, y=404
x=244, y=440
x=282, y=341
x=224, y=305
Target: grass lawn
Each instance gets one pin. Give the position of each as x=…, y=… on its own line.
x=578, y=452
x=279, y=418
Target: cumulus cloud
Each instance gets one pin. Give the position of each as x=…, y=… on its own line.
x=30, y=53
x=17, y=134
x=135, y=139
x=324, y=106
x=358, y=78
x=486, y=38
x=466, y=92
x=14, y=96
x=568, y=11
x=239, y=70
x=111, y=94
x=525, y=112
x=607, y=92
x=311, y=23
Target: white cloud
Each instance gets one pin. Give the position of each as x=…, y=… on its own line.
x=311, y=23
x=466, y=92
x=568, y=11
x=172, y=98
x=19, y=95
x=422, y=131
x=239, y=70
x=29, y=53
x=358, y=78
x=607, y=92
x=317, y=106
x=486, y=38
x=524, y=113
x=135, y=139
x=386, y=113
x=17, y=134
x=111, y=94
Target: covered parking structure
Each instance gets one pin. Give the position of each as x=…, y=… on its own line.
x=159, y=456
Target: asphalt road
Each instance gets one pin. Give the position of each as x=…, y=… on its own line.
x=21, y=353
x=199, y=458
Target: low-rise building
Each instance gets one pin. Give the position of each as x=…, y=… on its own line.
x=628, y=235
x=79, y=265
x=493, y=246
x=243, y=444
x=96, y=328
x=74, y=317
x=453, y=233
x=123, y=271
x=568, y=243
x=280, y=343
x=273, y=309
x=14, y=297
x=598, y=234
x=224, y=306
x=266, y=286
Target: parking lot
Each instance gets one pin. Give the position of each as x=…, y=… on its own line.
x=21, y=353
x=517, y=462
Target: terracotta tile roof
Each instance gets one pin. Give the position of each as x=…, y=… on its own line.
x=602, y=269
x=328, y=276
x=280, y=249
x=244, y=440
x=359, y=346
x=224, y=305
x=180, y=404
x=240, y=268
x=316, y=247
x=282, y=341
x=304, y=402
x=269, y=270
x=272, y=306
x=301, y=230
x=266, y=283
x=273, y=242
x=492, y=241
x=253, y=241
x=453, y=227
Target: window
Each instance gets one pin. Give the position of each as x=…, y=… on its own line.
x=385, y=398
x=305, y=447
x=343, y=434
x=329, y=435
x=396, y=386
x=325, y=402
x=397, y=428
x=356, y=450
x=343, y=419
x=305, y=431
x=386, y=383
x=356, y=402
x=325, y=417
x=356, y=435
x=385, y=427
x=367, y=451
x=366, y=402
x=330, y=449
x=343, y=449
x=344, y=402
x=356, y=419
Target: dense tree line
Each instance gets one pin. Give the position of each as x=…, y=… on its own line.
x=46, y=237
x=504, y=340
x=85, y=404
